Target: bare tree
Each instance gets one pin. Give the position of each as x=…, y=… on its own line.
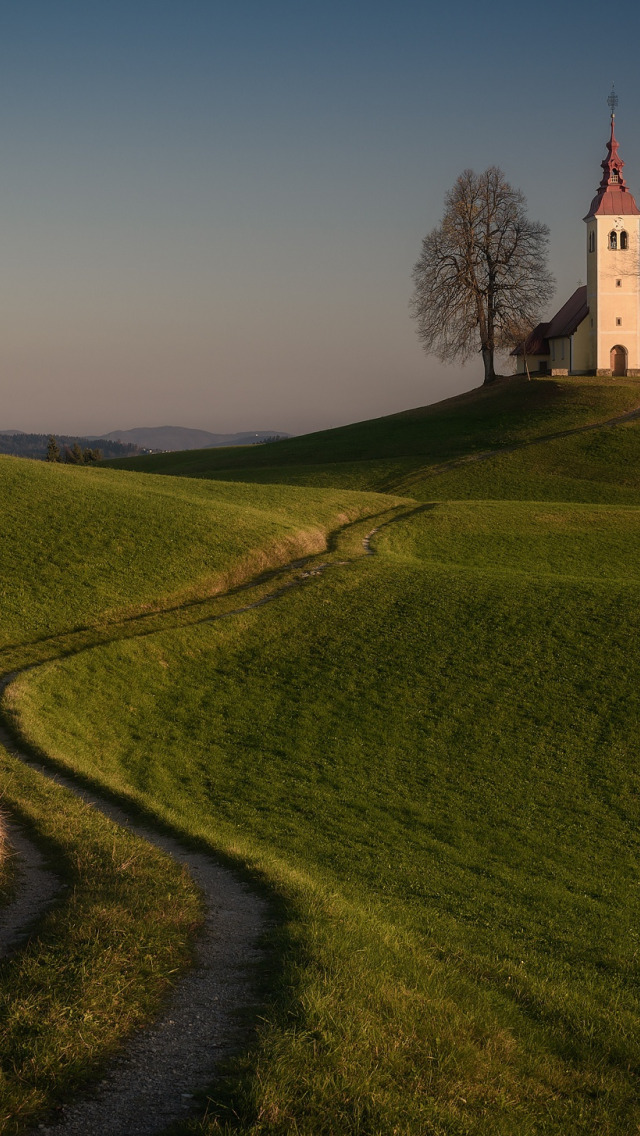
x=482, y=271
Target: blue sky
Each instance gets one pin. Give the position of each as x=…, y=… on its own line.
x=209, y=211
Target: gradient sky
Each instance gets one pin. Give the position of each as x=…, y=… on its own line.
x=209, y=211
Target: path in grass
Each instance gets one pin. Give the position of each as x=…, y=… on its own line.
x=36, y=888
x=152, y=1084
x=404, y=484
x=136, y=1091
x=508, y=851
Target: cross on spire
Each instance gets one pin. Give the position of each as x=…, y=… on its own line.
x=613, y=197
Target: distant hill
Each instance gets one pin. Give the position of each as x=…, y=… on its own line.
x=183, y=438
x=22, y=445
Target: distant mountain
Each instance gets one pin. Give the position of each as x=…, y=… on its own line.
x=182, y=438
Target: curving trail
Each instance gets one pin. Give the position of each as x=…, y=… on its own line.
x=36, y=888
x=154, y=1081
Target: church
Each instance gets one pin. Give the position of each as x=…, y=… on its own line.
x=597, y=331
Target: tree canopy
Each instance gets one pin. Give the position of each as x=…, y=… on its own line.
x=482, y=273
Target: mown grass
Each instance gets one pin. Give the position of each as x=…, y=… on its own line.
x=539, y=539
x=99, y=963
x=432, y=756
x=376, y=453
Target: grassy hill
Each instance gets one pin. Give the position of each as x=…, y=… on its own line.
x=88, y=555
x=381, y=453
x=84, y=545
x=428, y=756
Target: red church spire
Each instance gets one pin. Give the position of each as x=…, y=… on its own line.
x=613, y=197
x=613, y=163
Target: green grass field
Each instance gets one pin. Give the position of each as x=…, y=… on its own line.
x=429, y=758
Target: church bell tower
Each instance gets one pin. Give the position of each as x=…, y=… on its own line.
x=613, y=269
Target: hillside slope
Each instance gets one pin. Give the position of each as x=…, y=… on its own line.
x=80, y=544
x=379, y=453
x=430, y=756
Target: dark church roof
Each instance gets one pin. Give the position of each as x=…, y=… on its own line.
x=536, y=343
x=570, y=315
x=564, y=323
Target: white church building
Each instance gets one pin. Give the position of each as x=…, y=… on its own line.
x=597, y=331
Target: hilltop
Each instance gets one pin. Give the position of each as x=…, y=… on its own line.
x=381, y=453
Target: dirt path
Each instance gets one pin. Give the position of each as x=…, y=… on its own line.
x=153, y=1082
x=36, y=888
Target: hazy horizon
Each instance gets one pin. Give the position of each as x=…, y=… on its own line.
x=210, y=213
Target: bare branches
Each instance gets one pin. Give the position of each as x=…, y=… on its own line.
x=482, y=272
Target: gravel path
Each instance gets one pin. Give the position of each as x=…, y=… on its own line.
x=153, y=1082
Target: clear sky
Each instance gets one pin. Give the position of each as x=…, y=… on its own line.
x=209, y=211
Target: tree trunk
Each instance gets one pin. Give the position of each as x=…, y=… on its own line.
x=487, y=359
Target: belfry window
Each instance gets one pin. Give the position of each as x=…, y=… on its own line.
x=614, y=176
x=613, y=239
x=624, y=240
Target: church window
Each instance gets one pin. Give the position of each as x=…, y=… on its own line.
x=618, y=321
x=592, y=241
x=613, y=239
x=614, y=175
x=618, y=283
x=624, y=240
